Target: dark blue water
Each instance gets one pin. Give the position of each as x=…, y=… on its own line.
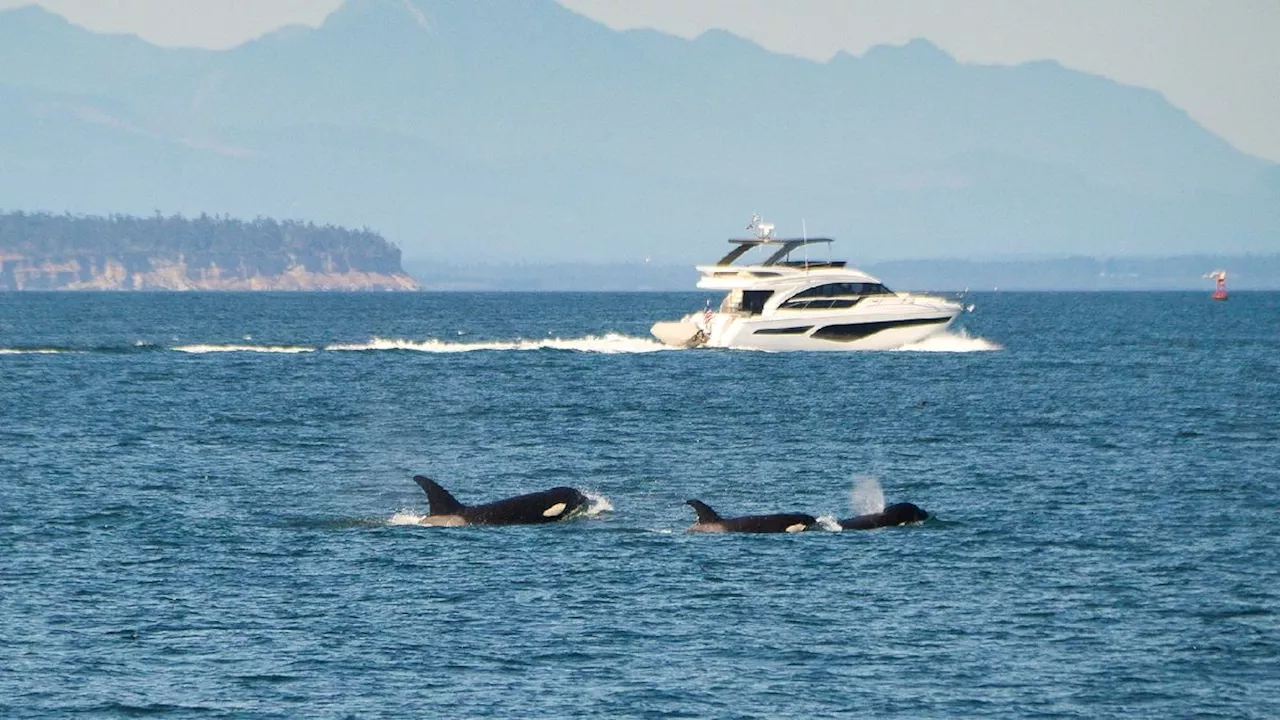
x=190, y=529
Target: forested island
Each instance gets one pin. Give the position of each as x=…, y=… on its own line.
x=42, y=251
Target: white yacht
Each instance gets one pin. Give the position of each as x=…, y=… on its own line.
x=785, y=303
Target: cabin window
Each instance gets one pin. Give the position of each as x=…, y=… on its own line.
x=748, y=301
x=837, y=295
x=843, y=290
x=850, y=333
x=753, y=300
x=797, y=330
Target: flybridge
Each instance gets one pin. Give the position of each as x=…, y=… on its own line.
x=785, y=247
x=764, y=238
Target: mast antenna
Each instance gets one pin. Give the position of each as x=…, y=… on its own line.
x=804, y=235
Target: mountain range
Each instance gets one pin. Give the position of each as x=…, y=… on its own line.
x=520, y=131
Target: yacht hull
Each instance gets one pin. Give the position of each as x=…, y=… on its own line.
x=830, y=334
x=833, y=333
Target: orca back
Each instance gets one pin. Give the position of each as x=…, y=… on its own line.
x=710, y=521
x=777, y=523
x=532, y=509
x=903, y=513
x=896, y=514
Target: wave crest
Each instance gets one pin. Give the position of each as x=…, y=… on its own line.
x=282, y=349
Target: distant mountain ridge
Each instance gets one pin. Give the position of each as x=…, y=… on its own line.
x=519, y=130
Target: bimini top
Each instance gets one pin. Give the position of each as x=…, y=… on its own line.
x=764, y=238
x=779, y=269
x=779, y=257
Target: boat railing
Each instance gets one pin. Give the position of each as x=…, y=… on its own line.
x=813, y=264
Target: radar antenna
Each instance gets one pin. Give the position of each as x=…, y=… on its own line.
x=764, y=230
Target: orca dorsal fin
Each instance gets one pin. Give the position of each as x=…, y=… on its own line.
x=704, y=511
x=439, y=499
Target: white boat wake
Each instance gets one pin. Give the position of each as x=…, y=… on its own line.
x=606, y=344
x=610, y=343
x=952, y=341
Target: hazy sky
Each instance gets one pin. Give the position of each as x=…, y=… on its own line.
x=1217, y=59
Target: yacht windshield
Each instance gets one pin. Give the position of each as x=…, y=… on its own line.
x=834, y=295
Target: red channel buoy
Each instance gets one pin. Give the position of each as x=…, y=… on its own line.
x=1220, y=287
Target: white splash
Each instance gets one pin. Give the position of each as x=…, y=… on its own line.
x=31, y=351
x=609, y=344
x=405, y=517
x=596, y=504
x=957, y=341
x=829, y=523
x=285, y=349
x=867, y=496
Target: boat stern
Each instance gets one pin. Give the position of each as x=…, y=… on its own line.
x=679, y=333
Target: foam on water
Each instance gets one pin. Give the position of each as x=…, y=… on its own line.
x=282, y=349
x=32, y=351
x=596, y=504
x=609, y=343
x=955, y=341
x=405, y=517
x=829, y=523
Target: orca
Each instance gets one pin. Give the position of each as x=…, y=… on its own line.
x=536, y=508
x=710, y=521
x=897, y=514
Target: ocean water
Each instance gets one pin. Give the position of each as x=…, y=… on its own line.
x=206, y=510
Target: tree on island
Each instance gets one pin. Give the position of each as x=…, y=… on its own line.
x=42, y=234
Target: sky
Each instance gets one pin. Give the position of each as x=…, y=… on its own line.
x=1217, y=59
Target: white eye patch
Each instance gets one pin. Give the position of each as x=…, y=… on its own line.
x=798, y=527
x=554, y=510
